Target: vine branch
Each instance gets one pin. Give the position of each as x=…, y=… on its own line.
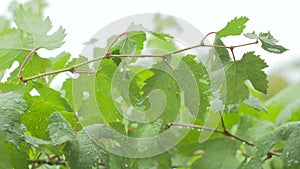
x=72, y=69
x=225, y=132
x=24, y=63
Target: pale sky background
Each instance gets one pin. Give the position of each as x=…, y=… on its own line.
x=82, y=19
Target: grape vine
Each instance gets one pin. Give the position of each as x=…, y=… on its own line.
x=114, y=112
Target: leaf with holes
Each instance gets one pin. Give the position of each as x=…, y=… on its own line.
x=269, y=43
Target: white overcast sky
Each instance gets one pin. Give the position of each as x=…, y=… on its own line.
x=82, y=19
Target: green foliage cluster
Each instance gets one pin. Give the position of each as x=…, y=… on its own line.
x=40, y=126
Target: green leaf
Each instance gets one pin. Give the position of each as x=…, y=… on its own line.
x=203, y=82
x=126, y=46
x=86, y=153
x=133, y=43
x=255, y=103
x=51, y=96
x=119, y=162
x=218, y=153
x=281, y=100
x=164, y=82
x=269, y=43
x=81, y=151
x=251, y=35
x=286, y=113
x=34, y=66
x=11, y=157
x=234, y=27
x=36, y=6
x=237, y=72
x=34, y=141
x=162, y=36
x=67, y=87
x=60, y=60
x=253, y=163
x=38, y=29
x=12, y=106
x=17, y=87
x=4, y=24
x=139, y=38
x=12, y=48
x=60, y=130
x=290, y=134
x=160, y=161
x=222, y=53
x=163, y=22
x=36, y=120
x=103, y=88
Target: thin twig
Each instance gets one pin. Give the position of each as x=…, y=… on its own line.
x=271, y=154
x=42, y=162
x=210, y=33
x=226, y=133
x=167, y=63
x=115, y=40
x=24, y=63
x=108, y=55
x=68, y=69
x=231, y=49
x=83, y=72
x=196, y=127
x=223, y=123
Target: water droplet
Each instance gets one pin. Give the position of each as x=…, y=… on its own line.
x=244, y=142
x=192, y=128
x=198, y=129
x=85, y=95
x=126, y=165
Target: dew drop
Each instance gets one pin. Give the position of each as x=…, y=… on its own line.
x=126, y=165
x=198, y=129
x=85, y=95
x=244, y=142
